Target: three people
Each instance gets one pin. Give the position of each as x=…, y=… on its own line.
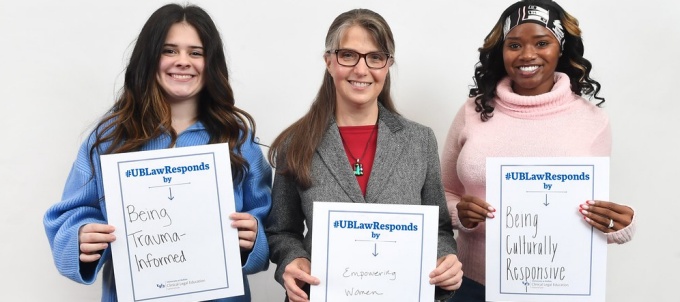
x=527, y=102
x=176, y=94
x=352, y=146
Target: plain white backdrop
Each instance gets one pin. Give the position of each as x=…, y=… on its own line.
x=62, y=64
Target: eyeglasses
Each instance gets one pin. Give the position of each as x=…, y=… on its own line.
x=350, y=58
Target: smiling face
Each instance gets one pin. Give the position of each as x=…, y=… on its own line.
x=359, y=86
x=530, y=56
x=181, y=65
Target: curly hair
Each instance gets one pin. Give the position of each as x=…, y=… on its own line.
x=490, y=69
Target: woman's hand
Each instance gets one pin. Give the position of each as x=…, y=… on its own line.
x=94, y=238
x=295, y=276
x=247, y=229
x=606, y=216
x=473, y=210
x=448, y=274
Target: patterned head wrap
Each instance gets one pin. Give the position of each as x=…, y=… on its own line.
x=538, y=15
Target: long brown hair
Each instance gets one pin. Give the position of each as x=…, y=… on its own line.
x=141, y=114
x=294, y=148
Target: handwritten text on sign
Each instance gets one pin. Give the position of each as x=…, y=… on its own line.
x=538, y=246
x=373, y=252
x=170, y=208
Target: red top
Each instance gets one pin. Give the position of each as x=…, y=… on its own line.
x=356, y=140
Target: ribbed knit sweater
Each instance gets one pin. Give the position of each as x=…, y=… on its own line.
x=555, y=124
x=83, y=202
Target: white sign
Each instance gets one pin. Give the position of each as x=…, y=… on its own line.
x=373, y=252
x=171, y=211
x=538, y=248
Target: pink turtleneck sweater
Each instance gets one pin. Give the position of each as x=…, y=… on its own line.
x=555, y=124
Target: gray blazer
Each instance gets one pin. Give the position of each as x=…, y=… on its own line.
x=405, y=171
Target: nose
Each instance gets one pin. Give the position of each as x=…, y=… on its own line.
x=361, y=67
x=182, y=60
x=528, y=53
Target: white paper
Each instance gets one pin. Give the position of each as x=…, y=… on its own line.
x=538, y=247
x=373, y=252
x=171, y=207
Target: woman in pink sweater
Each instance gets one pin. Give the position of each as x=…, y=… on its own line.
x=527, y=103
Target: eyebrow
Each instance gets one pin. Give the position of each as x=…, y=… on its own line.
x=175, y=45
x=354, y=50
x=533, y=37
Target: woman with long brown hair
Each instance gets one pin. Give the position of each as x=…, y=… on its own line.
x=176, y=94
x=352, y=146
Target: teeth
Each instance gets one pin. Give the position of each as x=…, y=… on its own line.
x=359, y=84
x=182, y=76
x=528, y=68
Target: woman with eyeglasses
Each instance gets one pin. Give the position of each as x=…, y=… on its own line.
x=527, y=102
x=352, y=146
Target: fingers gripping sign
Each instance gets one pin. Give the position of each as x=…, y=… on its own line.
x=93, y=238
x=473, y=210
x=606, y=216
x=247, y=229
x=295, y=276
x=448, y=274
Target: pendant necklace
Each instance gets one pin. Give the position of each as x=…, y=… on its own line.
x=358, y=166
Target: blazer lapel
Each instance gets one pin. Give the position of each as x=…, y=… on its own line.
x=387, y=154
x=332, y=153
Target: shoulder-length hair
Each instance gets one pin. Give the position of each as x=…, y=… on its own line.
x=490, y=69
x=295, y=146
x=141, y=114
